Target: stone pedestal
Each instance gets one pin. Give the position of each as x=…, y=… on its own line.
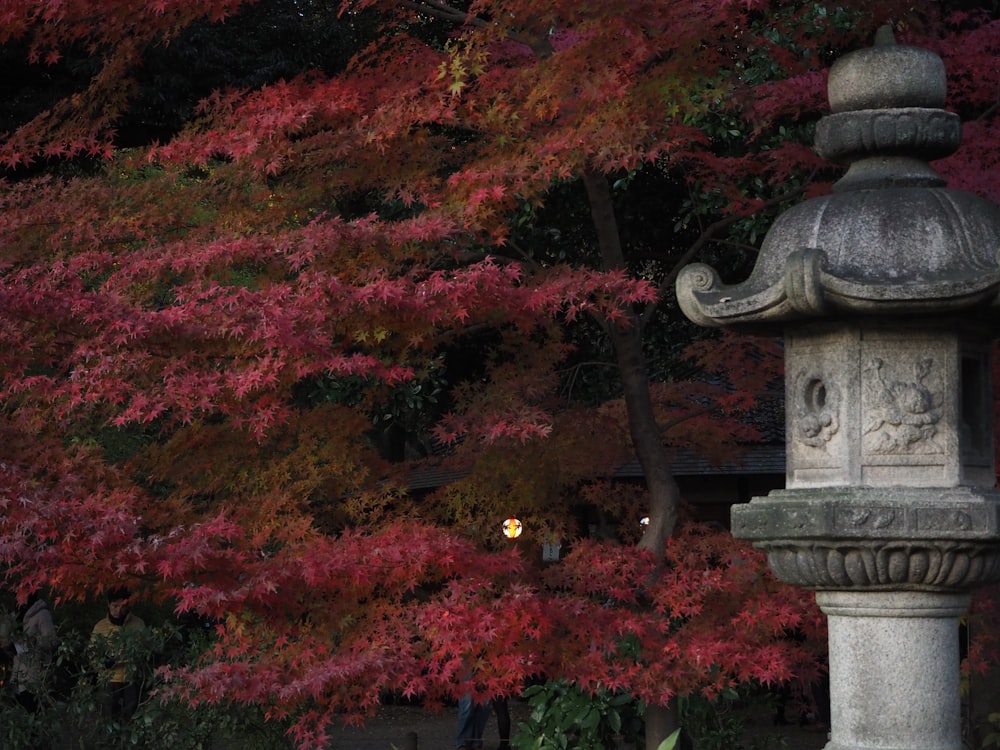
x=894, y=669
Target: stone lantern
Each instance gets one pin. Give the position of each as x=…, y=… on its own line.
x=886, y=293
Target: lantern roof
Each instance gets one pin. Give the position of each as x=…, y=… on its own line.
x=891, y=238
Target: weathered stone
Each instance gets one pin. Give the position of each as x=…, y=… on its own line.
x=904, y=250
x=915, y=132
x=890, y=240
x=878, y=403
x=888, y=294
x=945, y=513
x=887, y=76
x=894, y=670
x=893, y=565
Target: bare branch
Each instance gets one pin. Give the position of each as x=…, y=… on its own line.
x=739, y=246
x=575, y=370
x=988, y=112
x=539, y=43
x=523, y=255
x=667, y=426
x=443, y=11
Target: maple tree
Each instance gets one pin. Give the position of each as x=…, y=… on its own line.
x=199, y=333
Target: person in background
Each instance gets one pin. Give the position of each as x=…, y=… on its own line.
x=108, y=643
x=472, y=718
x=33, y=641
x=503, y=722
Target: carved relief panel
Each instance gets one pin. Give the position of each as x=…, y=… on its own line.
x=820, y=392
x=817, y=408
x=902, y=406
x=908, y=417
x=887, y=406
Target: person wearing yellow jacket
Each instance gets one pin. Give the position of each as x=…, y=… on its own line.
x=109, y=644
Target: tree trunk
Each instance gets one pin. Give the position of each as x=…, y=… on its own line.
x=664, y=495
x=661, y=721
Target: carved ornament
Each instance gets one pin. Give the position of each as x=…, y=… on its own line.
x=939, y=565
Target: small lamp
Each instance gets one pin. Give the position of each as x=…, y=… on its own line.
x=512, y=528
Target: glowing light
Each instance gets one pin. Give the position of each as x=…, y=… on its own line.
x=644, y=521
x=512, y=528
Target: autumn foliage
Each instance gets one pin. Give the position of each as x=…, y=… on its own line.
x=198, y=334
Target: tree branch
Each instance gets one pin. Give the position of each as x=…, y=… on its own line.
x=538, y=43
x=988, y=111
x=575, y=370
x=443, y=11
x=523, y=255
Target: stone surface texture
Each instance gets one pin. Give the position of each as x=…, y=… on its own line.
x=895, y=676
x=891, y=238
x=887, y=293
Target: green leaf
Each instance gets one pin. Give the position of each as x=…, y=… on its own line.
x=615, y=721
x=671, y=742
